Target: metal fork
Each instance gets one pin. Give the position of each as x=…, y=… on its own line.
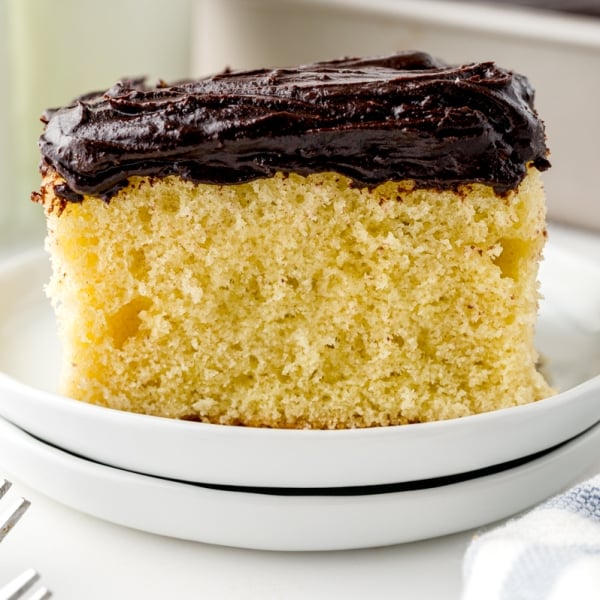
x=14, y=514
x=20, y=585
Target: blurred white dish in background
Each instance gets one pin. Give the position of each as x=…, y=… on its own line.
x=558, y=52
x=569, y=338
x=98, y=44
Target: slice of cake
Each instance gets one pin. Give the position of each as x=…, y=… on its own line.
x=345, y=244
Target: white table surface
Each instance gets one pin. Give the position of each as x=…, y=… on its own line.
x=81, y=557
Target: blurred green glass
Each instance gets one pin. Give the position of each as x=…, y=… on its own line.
x=54, y=50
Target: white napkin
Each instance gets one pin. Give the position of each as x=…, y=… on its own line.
x=550, y=553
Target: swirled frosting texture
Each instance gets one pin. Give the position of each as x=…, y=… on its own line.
x=405, y=116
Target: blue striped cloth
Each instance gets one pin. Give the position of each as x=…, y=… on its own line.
x=550, y=553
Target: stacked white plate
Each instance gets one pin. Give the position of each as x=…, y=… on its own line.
x=299, y=490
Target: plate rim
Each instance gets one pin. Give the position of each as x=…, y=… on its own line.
x=304, y=523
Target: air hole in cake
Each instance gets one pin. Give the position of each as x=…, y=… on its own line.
x=144, y=214
x=284, y=377
x=358, y=346
x=398, y=340
x=145, y=217
x=253, y=288
x=242, y=380
x=136, y=263
x=425, y=344
x=125, y=322
x=513, y=252
x=91, y=260
x=292, y=282
x=169, y=203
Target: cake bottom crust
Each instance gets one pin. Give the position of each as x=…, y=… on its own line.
x=298, y=302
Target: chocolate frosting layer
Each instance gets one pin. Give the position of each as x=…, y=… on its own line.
x=405, y=116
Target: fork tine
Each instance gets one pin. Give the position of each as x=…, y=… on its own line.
x=41, y=594
x=4, y=487
x=14, y=514
x=15, y=589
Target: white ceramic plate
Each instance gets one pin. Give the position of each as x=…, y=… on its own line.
x=297, y=522
x=569, y=336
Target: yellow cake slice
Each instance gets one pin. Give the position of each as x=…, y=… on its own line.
x=297, y=296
